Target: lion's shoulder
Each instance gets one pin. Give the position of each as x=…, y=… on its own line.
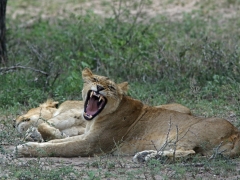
x=67, y=105
x=175, y=107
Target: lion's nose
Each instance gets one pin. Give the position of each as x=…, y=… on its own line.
x=99, y=88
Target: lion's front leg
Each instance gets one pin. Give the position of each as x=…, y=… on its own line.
x=27, y=150
x=74, y=131
x=32, y=134
x=49, y=132
x=62, y=126
x=68, y=147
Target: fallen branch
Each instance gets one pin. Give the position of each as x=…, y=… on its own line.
x=216, y=151
x=13, y=68
x=167, y=137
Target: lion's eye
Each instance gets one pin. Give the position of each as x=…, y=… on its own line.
x=94, y=79
x=111, y=87
x=28, y=119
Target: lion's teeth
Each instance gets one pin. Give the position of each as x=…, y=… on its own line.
x=100, y=98
x=91, y=94
x=88, y=115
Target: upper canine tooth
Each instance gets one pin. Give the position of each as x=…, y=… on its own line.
x=91, y=94
x=100, y=98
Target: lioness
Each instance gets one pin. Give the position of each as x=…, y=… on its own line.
x=36, y=116
x=118, y=123
x=27, y=124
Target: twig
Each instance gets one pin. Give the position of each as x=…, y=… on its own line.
x=117, y=12
x=160, y=151
x=193, y=165
x=55, y=78
x=12, y=68
x=166, y=142
x=155, y=147
x=216, y=151
x=34, y=50
x=175, y=145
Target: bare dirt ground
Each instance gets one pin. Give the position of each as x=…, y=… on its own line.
x=124, y=168
x=174, y=9
x=46, y=9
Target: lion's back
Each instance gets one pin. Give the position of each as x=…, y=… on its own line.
x=68, y=105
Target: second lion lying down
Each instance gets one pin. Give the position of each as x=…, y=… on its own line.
x=27, y=124
x=117, y=123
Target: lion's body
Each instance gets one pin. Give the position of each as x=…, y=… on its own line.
x=175, y=107
x=127, y=126
x=36, y=116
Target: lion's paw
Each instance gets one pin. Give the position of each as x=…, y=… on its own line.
x=63, y=135
x=56, y=134
x=145, y=156
x=33, y=134
x=24, y=149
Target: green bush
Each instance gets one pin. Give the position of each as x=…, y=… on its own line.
x=124, y=47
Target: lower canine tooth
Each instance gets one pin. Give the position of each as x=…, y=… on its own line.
x=88, y=115
x=100, y=98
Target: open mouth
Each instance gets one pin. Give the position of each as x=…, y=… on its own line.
x=94, y=104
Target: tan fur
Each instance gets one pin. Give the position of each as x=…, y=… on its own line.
x=175, y=107
x=128, y=126
x=36, y=116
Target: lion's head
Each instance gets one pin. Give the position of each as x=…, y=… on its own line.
x=36, y=116
x=101, y=95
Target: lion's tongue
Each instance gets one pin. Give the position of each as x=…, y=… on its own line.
x=92, y=106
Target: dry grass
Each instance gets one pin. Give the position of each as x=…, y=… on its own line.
x=174, y=9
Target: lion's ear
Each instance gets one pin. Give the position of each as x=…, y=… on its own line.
x=86, y=73
x=124, y=87
x=55, y=104
x=50, y=103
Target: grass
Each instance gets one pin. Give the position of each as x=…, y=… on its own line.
x=190, y=58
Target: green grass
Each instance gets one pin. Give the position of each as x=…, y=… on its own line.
x=192, y=60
